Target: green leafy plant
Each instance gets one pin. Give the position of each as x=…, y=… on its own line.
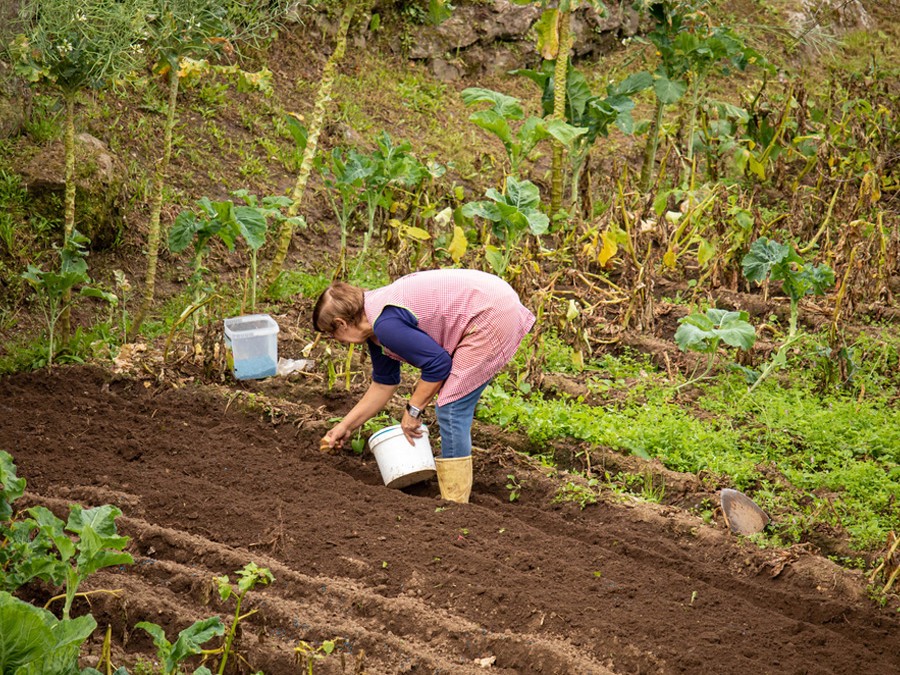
x=344, y=174
x=25, y=551
x=519, y=144
x=249, y=577
x=512, y=213
x=252, y=222
x=514, y=487
x=769, y=260
x=53, y=289
x=189, y=643
x=228, y=222
x=300, y=135
x=389, y=167
x=200, y=229
x=34, y=642
x=688, y=47
x=361, y=437
x=705, y=332
x=583, y=495
x=96, y=545
x=585, y=110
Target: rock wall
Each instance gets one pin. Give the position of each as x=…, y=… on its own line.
x=834, y=16
x=493, y=37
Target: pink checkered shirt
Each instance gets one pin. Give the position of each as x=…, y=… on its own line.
x=477, y=317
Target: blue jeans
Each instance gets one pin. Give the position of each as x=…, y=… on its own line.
x=455, y=422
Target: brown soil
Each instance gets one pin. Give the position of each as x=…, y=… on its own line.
x=415, y=584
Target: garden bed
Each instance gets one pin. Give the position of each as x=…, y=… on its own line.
x=414, y=584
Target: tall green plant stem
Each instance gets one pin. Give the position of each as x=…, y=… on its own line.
x=651, y=148
x=780, y=355
x=348, y=374
x=65, y=319
x=695, y=105
x=323, y=96
x=824, y=226
x=154, y=233
x=560, y=78
x=710, y=359
x=70, y=166
x=229, y=639
x=53, y=312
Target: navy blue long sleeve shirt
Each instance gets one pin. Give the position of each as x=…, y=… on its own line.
x=398, y=330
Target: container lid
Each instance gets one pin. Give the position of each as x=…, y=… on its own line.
x=390, y=431
x=250, y=326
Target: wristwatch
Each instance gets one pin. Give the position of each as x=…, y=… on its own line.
x=413, y=411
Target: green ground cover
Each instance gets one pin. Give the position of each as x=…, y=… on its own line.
x=810, y=458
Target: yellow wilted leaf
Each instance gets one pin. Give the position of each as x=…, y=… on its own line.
x=547, y=29
x=444, y=217
x=610, y=248
x=869, y=188
x=417, y=233
x=188, y=67
x=756, y=167
x=572, y=312
x=669, y=259
x=458, y=244
x=705, y=252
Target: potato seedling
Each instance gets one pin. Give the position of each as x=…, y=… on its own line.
x=249, y=576
x=583, y=495
x=306, y=652
x=189, y=642
x=514, y=487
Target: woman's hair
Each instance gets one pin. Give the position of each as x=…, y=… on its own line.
x=338, y=301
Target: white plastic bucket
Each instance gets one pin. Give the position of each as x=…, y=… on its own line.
x=400, y=463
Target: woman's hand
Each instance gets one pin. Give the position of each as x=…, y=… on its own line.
x=412, y=428
x=335, y=438
x=372, y=402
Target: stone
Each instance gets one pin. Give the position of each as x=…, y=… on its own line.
x=837, y=16
x=474, y=23
x=98, y=187
x=494, y=37
x=444, y=70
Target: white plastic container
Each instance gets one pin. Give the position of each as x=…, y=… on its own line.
x=400, y=463
x=251, y=346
